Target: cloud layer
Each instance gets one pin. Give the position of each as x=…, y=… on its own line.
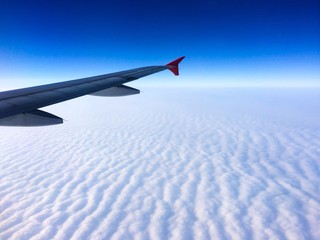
x=168, y=164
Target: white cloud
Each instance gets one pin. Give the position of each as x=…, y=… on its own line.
x=169, y=163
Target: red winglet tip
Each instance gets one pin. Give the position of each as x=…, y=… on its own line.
x=174, y=65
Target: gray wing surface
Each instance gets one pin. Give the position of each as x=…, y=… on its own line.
x=21, y=107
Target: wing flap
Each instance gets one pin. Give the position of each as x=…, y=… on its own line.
x=20, y=100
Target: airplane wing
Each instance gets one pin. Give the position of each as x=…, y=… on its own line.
x=21, y=107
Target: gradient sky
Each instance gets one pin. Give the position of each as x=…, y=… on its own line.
x=227, y=43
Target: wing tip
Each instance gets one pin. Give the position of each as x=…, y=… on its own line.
x=174, y=65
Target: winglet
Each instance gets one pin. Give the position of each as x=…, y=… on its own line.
x=174, y=65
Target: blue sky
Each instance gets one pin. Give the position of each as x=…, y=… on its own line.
x=227, y=43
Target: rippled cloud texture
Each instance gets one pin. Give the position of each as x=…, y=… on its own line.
x=167, y=164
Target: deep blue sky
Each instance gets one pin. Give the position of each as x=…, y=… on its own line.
x=230, y=42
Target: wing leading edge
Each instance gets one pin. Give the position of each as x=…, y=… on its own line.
x=20, y=107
